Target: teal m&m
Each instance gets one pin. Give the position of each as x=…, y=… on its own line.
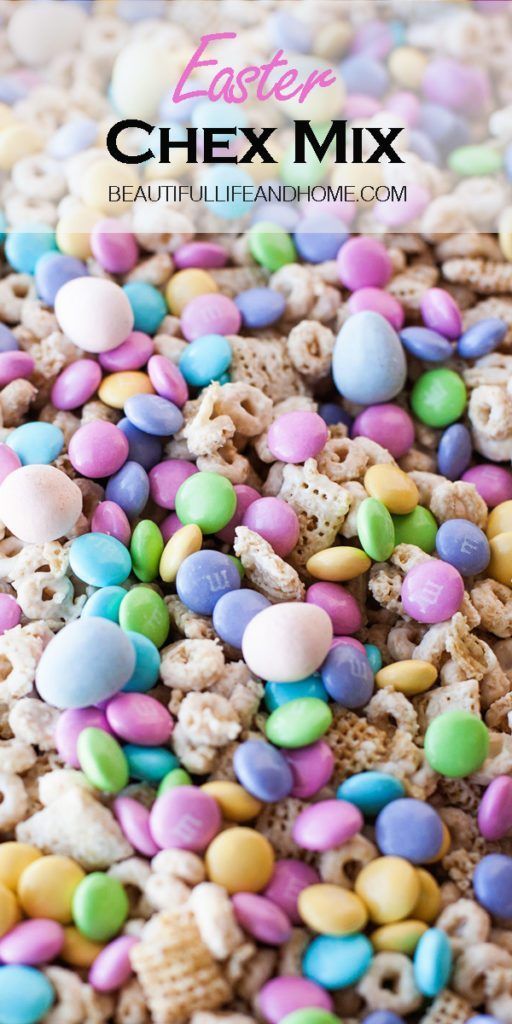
x=439, y=397
x=207, y=500
x=277, y=694
x=149, y=764
x=205, y=359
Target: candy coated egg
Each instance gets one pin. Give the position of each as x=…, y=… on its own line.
x=38, y=33
x=86, y=662
x=369, y=363
x=240, y=859
x=39, y=503
x=94, y=313
x=287, y=642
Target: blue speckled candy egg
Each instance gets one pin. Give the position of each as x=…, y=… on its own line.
x=337, y=962
x=26, y=994
x=369, y=363
x=464, y=545
x=433, y=962
x=260, y=307
x=153, y=415
x=454, y=451
x=129, y=488
x=426, y=344
x=86, y=662
x=277, y=694
x=104, y=604
x=203, y=578
x=100, y=560
x=36, y=444
x=263, y=771
x=371, y=791
x=233, y=611
x=482, y=338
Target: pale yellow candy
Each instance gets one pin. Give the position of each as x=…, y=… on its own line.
x=100, y=177
x=14, y=858
x=73, y=231
x=46, y=887
x=394, y=488
x=407, y=66
x=77, y=950
x=9, y=910
x=410, y=677
x=6, y=115
x=186, y=285
x=338, y=564
x=505, y=232
x=241, y=860
x=500, y=565
x=500, y=520
x=428, y=904
x=389, y=887
x=18, y=140
x=117, y=388
x=331, y=910
x=183, y=543
x=235, y=803
x=143, y=72
x=401, y=937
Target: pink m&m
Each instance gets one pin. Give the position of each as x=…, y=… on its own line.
x=69, y=726
x=185, y=818
x=133, y=818
x=14, y=365
x=441, y=313
x=210, y=314
x=261, y=918
x=77, y=383
x=364, y=263
x=168, y=380
x=432, y=592
x=10, y=613
x=311, y=766
x=378, y=301
x=327, y=824
x=288, y=880
x=495, y=810
x=387, y=425
x=9, y=461
x=341, y=607
x=98, y=449
x=32, y=942
x=108, y=517
x=245, y=495
x=205, y=255
x=131, y=355
x=166, y=478
x=275, y=521
x=137, y=718
x=493, y=483
x=284, y=995
x=116, y=251
x=297, y=436
x=112, y=967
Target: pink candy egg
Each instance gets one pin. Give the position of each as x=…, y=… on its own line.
x=245, y=496
x=311, y=766
x=378, y=301
x=261, y=918
x=327, y=824
x=168, y=380
x=137, y=718
x=10, y=613
x=210, y=314
x=288, y=880
x=287, y=641
x=98, y=449
x=432, y=592
x=441, y=313
x=297, y=436
x=185, y=818
x=341, y=607
x=133, y=818
x=69, y=726
x=275, y=521
x=112, y=967
x=387, y=425
x=166, y=478
x=284, y=995
x=77, y=383
x=495, y=810
x=110, y=518
x=493, y=483
x=9, y=461
x=364, y=263
x=32, y=942
x=14, y=365
x=116, y=251
x=131, y=355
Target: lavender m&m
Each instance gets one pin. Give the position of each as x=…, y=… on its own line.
x=297, y=436
x=210, y=314
x=493, y=483
x=409, y=828
x=203, y=578
x=426, y=344
x=205, y=255
x=432, y=592
x=261, y=918
x=112, y=967
x=69, y=726
x=133, y=817
x=388, y=425
x=260, y=307
x=364, y=263
x=263, y=771
x=441, y=313
x=454, y=451
x=312, y=768
x=492, y=882
x=275, y=521
x=131, y=355
x=495, y=809
x=129, y=488
x=53, y=270
x=233, y=612
x=185, y=818
x=318, y=237
x=482, y=338
x=153, y=414
x=8, y=341
x=341, y=607
x=378, y=301
x=168, y=380
x=34, y=942
x=143, y=448
x=283, y=995
x=464, y=545
x=138, y=718
x=327, y=824
x=76, y=384
x=347, y=676
x=98, y=449
x=166, y=478
x=109, y=518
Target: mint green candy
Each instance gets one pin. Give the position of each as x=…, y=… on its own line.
x=207, y=500
x=102, y=760
x=298, y=722
x=310, y=1015
x=375, y=529
x=300, y=175
x=178, y=777
x=271, y=246
x=475, y=160
x=456, y=744
x=100, y=907
x=417, y=527
x=439, y=397
x=146, y=548
x=144, y=611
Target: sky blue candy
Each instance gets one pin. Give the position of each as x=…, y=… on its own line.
x=129, y=488
x=147, y=663
x=319, y=237
x=347, y=676
x=433, y=962
x=365, y=75
x=464, y=545
x=149, y=764
x=8, y=343
x=76, y=135
x=25, y=246
x=492, y=882
x=153, y=415
x=26, y=995
x=205, y=359
x=374, y=657
x=148, y=305
x=53, y=270
x=143, y=448
x=231, y=182
x=263, y=771
x=370, y=791
x=332, y=413
x=105, y=603
x=260, y=307
x=36, y=443
x=203, y=578
x=482, y=338
x=409, y=828
x=85, y=663
x=426, y=344
x=233, y=612
x=368, y=362
x=454, y=451
x=218, y=114
x=100, y=560
x=383, y=1017
x=277, y=694
x=337, y=962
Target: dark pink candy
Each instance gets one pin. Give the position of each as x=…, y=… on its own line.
x=14, y=365
x=116, y=251
x=133, y=818
x=138, y=718
x=77, y=383
x=32, y=942
x=98, y=449
x=378, y=301
x=495, y=810
x=493, y=483
x=290, y=877
x=206, y=255
x=110, y=518
x=166, y=478
x=112, y=967
x=170, y=525
x=297, y=436
x=284, y=995
x=245, y=495
x=70, y=725
x=387, y=425
x=341, y=607
x=364, y=263
x=131, y=355
x=350, y=640
x=261, y=918
x=10, y=613
x=9, y=461
x=311, y=766
x=168, y=380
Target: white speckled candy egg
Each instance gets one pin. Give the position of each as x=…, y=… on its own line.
x=87, y=662
x=39, y=503
x=287, y=642
x=95, y=314
x=368, y=362
x=37, y=32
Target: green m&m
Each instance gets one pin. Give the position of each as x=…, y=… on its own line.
x=298, y=722
x=456, y=744
x=146, y=549
x=207, y=500
x=417, y=527
x=100, y=906
x=144, y=611
x=271, y=246
x=375, y=529
x=102, y=760
x=439, y=397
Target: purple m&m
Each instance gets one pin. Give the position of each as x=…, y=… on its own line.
x=432, y=592
x=233, y=612
x=116, y=251
x=379, y=301
x=364, y=263
x=275, y=521
x=9, y=461
x=14, y=365
x=347, y=676
x=77, y=383
x=263, y=771
x=441, y=313
x=260, y=307
x=206, y=255
x=387, y=425
x=69, y=726
x=112, y=967
x=495, y=810
x=98, y=449
x=185, y=818
x=168, y=380
x=138, y=718
x=34, y=942
x=166, y=478
x=327, y=824
x=10, y=613
x=261, y=918
x=493, y=483
x=210, y=314
x=492, y=881
x=312, y=768
x=109, y=518
x=131, y=355
x=203, y=578
x=133, y=818
x=411, y=829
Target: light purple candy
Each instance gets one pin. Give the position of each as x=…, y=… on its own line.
x=168, y=380
x=69, y=726
x=493, y=483
x=441, y=313
x=432, y=592
x=166, y=478
x=275, y=521
x=31, y=943
x=137, y=718
x=455, y=85
x=109, y=518
x=98, y=449
x=245, y=495
x=284, y=995
x=185, y=818
x=311, y=766
x=297, y=436
x=9, y=461
x=211, y=313
x=327, y=824
x=131, y=355
x=261, y=918
x=77, y=383
x=289, y=878
x=10, y=613
x=14, y=365
x=116, y=251
x=387, y=425
x=112, y=967
x=206, y=255
x=170, y=525
x=407, y=105
x=364, y=263
x=495, y=810
x=133, y=818
x=357, y=105
x=378, y=301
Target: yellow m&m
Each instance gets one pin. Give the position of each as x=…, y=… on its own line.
x=46, y=887
x=410, y=676
x=500, y=520
x=117, y=388
x=390, y=888
x=331, y=910
x=183, y=543
x=338, y=564
x=394, y=488
x=77, y=950
x=14, y=858
x=401, y=937
x=241, y=860
x=186, y=285
x=9, y=910
x=235, y=803
x=428, y=904
x=500, y=565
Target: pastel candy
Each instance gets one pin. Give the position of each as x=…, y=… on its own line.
x=87, y=662
x=94, y=313
x=369, y=363
x=39, y=503
x=287, y=642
